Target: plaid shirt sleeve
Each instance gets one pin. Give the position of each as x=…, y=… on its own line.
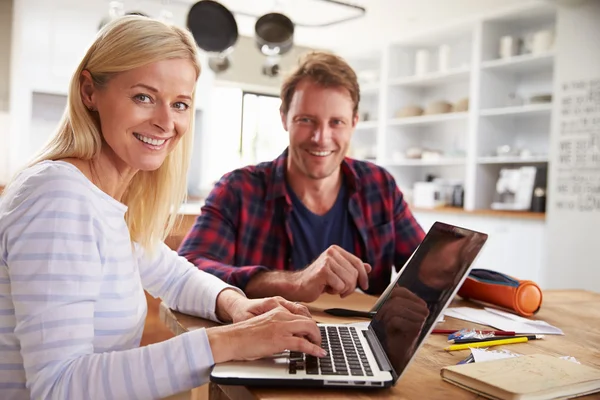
x=210, y=244
x=409, y=233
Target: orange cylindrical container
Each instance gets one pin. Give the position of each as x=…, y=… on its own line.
x=522, y=297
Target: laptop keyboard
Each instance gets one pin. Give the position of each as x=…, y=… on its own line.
x=345, y=355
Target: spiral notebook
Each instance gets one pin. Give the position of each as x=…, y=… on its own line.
x=536, y=376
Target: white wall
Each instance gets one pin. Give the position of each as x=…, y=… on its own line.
x=5, y=28
x=5, y=38
x=573, y=256
x=48, y=41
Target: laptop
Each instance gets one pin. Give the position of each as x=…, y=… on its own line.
x=375, y=356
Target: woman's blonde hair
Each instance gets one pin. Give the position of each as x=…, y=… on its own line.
x=153, y=197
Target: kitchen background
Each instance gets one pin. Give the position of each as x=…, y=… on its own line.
x=487, y=112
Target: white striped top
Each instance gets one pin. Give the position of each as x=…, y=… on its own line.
x=72, y=306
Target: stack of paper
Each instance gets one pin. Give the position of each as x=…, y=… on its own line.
x=503, y=321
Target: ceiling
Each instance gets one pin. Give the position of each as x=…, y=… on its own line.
x=384, y=19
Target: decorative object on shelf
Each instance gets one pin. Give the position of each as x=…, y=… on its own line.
x=538, y=204
x=514, y=188
x=541, y=99
x=461, y=105
x=506, y=150
x=427, y=195
x=542, y=41
x=409, y=111
x=444, y=58
x=411, y=152
x=431, y=155
x=363, y=152
x=438, y=107
x=422, y=62
x=364, y=116
x=437, y=192
x=509, y=46
x=458, y=196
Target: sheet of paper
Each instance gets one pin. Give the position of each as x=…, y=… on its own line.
x=482, y=355
x=503, y=321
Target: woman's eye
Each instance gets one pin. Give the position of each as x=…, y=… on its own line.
x=181, y=106
x=142, y=98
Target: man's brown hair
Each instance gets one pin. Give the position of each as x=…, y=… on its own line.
x=325, y=69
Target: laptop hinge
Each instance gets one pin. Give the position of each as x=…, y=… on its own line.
x=377, y=350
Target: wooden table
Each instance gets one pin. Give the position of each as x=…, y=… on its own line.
x=577, y=313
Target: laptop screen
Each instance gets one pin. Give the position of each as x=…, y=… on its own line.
x=422, y=290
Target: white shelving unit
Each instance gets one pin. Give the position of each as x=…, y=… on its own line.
x=509, y=103
x=433, y=79
x=516, y=110
x=521, y=63
x=428, y=119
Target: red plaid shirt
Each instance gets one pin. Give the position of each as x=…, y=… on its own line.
x=244, y=227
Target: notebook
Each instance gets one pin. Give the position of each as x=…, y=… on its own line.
x=537, y=376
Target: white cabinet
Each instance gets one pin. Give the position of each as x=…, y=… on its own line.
x=515, y=246
x=450, y=106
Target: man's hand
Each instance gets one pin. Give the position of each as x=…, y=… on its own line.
x=336, y=271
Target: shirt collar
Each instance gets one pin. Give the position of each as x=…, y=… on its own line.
x=277, y=187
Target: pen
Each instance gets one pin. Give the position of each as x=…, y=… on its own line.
x=467, y=360
x=450, y=331
x=487, y=344
x=474, y=340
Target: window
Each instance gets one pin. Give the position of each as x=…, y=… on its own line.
x=238, y=128
x=263, y=137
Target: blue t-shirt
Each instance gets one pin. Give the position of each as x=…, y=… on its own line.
x=313, y=234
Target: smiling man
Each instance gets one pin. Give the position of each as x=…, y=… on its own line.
x=311, y=221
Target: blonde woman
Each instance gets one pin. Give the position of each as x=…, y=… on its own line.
x=81, y=233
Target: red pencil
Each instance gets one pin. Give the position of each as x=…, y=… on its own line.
x=450, y=331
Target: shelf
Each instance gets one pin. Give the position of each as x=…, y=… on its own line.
x=526, y=63
x=482, y=212
x=428, y=119
x=512, y=160
x=364, y=125
x=544, y=108
x=425, y=163
x=433, y=79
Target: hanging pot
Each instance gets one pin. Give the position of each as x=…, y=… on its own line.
x=215, y=31
x=274, y=34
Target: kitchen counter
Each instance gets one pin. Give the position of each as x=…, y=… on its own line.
x=483, y=212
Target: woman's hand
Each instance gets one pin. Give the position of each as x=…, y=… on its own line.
x=233, y=307
x=245, y=309
x=267, y=334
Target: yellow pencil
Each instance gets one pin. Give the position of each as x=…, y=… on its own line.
x=486, y=344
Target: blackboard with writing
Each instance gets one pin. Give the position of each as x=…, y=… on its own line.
x=578, y=158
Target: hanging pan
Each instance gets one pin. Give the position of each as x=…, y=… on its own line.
x=215, y=31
